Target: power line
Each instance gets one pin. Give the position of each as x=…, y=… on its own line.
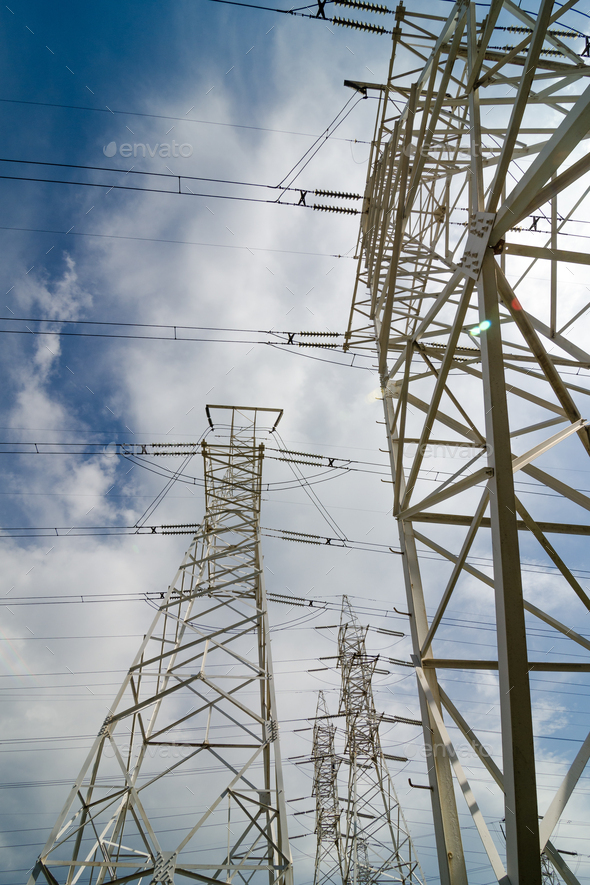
x=178, y=529
x=170, y=326
x=150, y=509
x=175, y=334
x=71, y=233
x=310, y=493
x=187, y=192
x=319, y=16
x=280, y=534
x=133, y=171
x=318, y=143
x=153, y=190
x=134, y=451
x=60, y=334
x=186, y=119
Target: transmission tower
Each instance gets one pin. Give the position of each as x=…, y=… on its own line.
x=328, y=860
x=195, y=715
x=376, y=843
x=478, y=143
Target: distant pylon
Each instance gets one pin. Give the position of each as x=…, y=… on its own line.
x=328, y=860
x=194, y=725
x=376, y=842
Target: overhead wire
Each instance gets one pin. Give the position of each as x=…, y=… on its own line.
x=31, y=532
x=183, y=179
x=311, y=494
x=71, y=233
x=319, y=142
x=153, y=190
x=67, y=674
x=282, y=346
x=155, y=503
x=168, y=326
x=318, y=17
x=333, y=470
x=107, y=110
x=362, y=26
x=175, y=177
x=282, y=338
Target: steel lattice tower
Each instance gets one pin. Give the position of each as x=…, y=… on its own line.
x=376, y=842
x=328, y=859
x=475, y=144
x=198, y=701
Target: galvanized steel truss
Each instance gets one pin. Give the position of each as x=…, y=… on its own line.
x=328, y=858
x=476, y=143
x=196, y=714
x=376, y=843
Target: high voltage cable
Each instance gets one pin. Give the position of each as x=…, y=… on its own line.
x=59, y=334
x=175, y=334
x=290, y=599
x=251, y=249
x=371, y=7
x=136, y=450
x=182, y=529
x=160, y=470
x=532, y=230
x=133, y=171
x=279, y=534
x=311, y=494
x=178, y=193
x=273, y=344
x=362, y=26
x=152, y=190
x=318, y=143
x=133, y=452
x=172, y=326
x=154, y=504
x=186, y=119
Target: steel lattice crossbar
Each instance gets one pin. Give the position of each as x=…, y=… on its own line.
x=478, y=171
x=198, y=702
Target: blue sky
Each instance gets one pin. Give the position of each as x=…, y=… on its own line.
x=249, y=91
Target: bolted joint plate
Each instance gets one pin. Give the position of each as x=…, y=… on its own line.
x=164, y=868
x=105, y=725
x=480, y=228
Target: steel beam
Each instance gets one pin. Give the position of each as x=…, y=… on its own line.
x=495, y=375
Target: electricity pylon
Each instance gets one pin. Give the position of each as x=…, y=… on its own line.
x=194, y=724
x=477, y=164
x=376, y=842
x=328, y=859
